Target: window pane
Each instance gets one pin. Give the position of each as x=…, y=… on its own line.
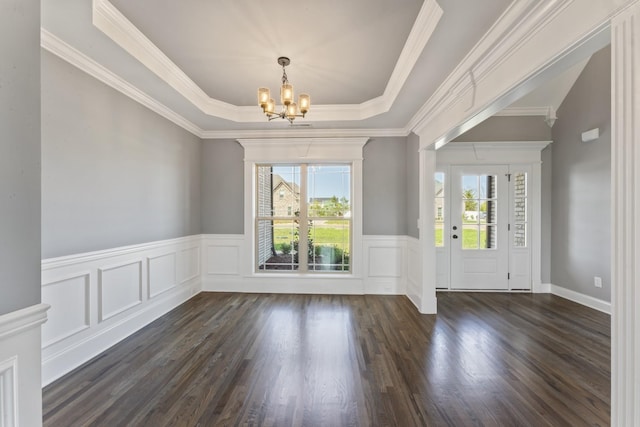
x=470, y=236
x=329, y=190
x=520, y=209
x=470, y=213
x=439, y=182
x=520, y=235
x=277, y=245
x=439, y=209
x=520, y=184
x=264, y=195
x=285, y=190
x=329, y=244
x=480, y=211
x=488, y=236
x=470, y=205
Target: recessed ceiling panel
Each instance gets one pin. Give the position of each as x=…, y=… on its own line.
x=342, y=52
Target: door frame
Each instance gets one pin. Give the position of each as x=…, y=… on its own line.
x=514, y=154
x=461, y=260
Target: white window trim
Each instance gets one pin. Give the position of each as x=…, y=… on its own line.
x=302, y=150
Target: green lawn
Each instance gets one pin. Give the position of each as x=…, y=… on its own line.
x=469, y=236
x=324, y=235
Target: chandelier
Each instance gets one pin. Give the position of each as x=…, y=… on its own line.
x=290, y=110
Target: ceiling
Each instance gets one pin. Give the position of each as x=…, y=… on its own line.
x=367, y=64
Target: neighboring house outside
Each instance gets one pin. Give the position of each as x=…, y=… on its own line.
x=286, y=197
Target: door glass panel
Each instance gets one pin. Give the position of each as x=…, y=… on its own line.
x=439, y=209
x=520, y=209
x=479, y=211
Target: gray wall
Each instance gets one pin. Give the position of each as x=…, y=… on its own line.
x=19, y=154
x=113, y=172
x=581, y=196
x=222, y=187
x=413, y=188
x=385, y=187
x=506, y=128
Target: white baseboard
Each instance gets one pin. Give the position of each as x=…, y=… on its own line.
x=586, y=300
x=541, y=288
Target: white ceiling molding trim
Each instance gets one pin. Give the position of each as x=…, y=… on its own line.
x=516, y=26
x=68, y=53
x=524, y=111
x=310, y=149
x=304, y=133
x=116, y=26
x=500, y=145
x=421, y=32
x=79, y=60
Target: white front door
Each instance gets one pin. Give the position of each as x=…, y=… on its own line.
x=479, y=227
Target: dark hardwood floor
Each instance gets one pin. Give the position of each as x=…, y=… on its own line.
x=296, y=360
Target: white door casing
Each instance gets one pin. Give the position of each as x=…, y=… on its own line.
x=521, y=157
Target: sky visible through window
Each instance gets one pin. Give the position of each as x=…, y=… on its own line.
x=323, y=181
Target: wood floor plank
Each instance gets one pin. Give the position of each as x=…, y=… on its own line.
x=313, y=360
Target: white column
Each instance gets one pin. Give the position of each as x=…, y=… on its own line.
x=625, y=218
x=428, y=300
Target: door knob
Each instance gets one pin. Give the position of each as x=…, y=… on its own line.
x=455, y=236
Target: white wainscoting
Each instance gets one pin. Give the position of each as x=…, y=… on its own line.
x=20, y=364
x=226, y=269
x=99, y=298
x=385, y=264
x=414, y=271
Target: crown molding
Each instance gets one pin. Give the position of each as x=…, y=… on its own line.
x=116, y=26
x=521, y=21
x=305, y=133
x=79, y=60
x=496, y=145
x=68, y=53
x=421, y=32
x=524, y=111
x=317, y=149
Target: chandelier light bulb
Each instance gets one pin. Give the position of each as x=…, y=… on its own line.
x=290, y=110
x=304, y=102
x=263, y=97
x=286, y=94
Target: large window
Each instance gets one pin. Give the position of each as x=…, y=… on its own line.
x=303, y=217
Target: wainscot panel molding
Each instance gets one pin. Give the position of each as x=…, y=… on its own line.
x=20, y=368
x=385, y=266
x=99, y=298
x=384, y=260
